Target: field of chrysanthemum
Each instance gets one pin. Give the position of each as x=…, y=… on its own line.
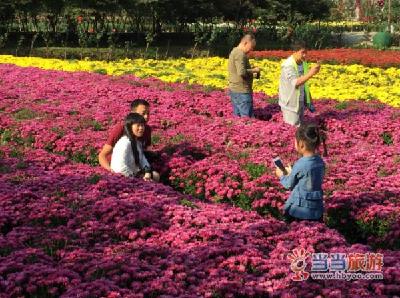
x=213, y=229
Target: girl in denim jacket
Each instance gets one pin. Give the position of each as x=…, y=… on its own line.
x=305, y=178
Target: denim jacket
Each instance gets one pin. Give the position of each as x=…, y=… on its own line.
x=305, y=182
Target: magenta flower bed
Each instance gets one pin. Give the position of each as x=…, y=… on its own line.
x=70, y=229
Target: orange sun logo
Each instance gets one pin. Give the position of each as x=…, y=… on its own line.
x=298, y=264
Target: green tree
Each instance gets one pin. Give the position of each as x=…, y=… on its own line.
x=7, y=10
x=53, y=10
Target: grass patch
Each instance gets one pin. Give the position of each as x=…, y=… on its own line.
x=9, y=135
x=273, y=101
x=4, y=169
x=73, y=112
x=93, y=179
x=255, y=170
x=387, y=138
x=6, y=135
x=209, y=89
x=238, y=155
x=359, y=231
x=21, y=165
x=90, y=158
x=187, y=203
x=178, y=138
x=155, y=139
x=101, y=71
x=187, y=185
x=269, y=210
x=24, y=114
x=342, y=105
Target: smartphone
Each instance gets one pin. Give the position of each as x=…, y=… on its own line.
x=279, y=164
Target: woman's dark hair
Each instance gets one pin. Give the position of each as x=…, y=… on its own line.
x=130, y=119
x=311, y=135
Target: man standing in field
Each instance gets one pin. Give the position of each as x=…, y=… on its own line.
x=240, y=75
x=294, y=92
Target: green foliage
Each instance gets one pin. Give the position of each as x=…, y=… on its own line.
x=382, y=40
x=178, y=138
x=90, y=158
x=6, y=135
x=139, y=224
x=16, y=153
x=255, y=170
x=93, y=179
x=71, y=113
x=187, y=203
x=342, y=105
x=187, y=185
x=97, y=126
x=269, y=210
x=53, y=246
x=86, y=39
x=4, y=169
x=379, y=229
x=5, y=251
x=376, y=227
x=89, y=123
x=101, y=71
x=340, y=219
x=21, y=165
x=155, y=139
x=243, y=200
x=358, y=231
x=3, y=39
x=387, y=138
x=59, y=131
x=238, y=155
x=315, y=37
x=25, y=114
x=10, y=135
x=273, y=101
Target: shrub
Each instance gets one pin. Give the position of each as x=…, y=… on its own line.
x=382, y=40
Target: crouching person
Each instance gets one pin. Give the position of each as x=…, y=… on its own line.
x=128, y=156
x=305, y=178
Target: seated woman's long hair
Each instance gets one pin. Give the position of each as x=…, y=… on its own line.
x=130, y=119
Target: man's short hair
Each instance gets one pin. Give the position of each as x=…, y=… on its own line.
x=248, y=36
x=139, y=101
x=299, y=45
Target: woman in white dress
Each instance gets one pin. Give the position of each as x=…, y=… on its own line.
x=128, y=157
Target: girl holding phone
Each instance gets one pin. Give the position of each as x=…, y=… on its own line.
x=305, y=178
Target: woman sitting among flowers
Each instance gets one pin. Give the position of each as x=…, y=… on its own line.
x=127, y=157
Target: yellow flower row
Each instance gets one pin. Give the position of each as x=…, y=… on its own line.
x=341, y=82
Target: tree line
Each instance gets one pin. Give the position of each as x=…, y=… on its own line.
x=153, y=15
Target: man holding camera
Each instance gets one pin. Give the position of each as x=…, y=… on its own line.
x=294, y=91
x=240, y=76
